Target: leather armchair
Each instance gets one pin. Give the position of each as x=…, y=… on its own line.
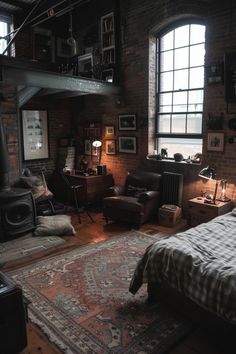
x=135, y=202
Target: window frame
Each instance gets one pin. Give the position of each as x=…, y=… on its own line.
x=159, y=35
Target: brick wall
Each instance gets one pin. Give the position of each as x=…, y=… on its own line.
x=140, y=20
x=59, y=125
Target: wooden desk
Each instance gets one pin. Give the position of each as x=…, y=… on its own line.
x=92, y=189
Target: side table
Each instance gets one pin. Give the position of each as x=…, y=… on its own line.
x=200, y=212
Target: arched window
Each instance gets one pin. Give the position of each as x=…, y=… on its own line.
x=180, y=89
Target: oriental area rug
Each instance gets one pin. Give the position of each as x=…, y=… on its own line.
x=80, y=299
x=27, y=245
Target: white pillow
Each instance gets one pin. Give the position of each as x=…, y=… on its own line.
x=55, y=225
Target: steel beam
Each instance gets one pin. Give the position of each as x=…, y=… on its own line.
x=41, y=79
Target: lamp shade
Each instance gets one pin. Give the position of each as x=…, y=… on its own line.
x=208, y=173
x=97, y=143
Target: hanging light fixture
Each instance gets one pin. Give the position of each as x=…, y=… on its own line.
x=71, y=40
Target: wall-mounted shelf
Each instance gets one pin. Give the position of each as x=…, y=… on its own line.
x=108, y=39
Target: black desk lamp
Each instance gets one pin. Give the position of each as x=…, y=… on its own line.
x=209, y=173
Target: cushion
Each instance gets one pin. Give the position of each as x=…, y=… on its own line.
x=133, y=191
x=124, y=203
x=38, y=186
x=55, y=225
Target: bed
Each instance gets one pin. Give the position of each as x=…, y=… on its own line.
x=199, y=263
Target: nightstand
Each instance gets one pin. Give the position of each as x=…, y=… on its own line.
x=200, y=212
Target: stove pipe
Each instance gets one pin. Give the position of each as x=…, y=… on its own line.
x=4, y=162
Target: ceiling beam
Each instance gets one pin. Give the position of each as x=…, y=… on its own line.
x=40, y=79
x=17, y=3
x=27, y=73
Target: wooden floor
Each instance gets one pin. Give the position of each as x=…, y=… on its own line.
x=200, y=341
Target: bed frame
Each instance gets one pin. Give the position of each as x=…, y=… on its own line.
x=197, y=314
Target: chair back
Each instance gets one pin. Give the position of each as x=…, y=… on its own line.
x=151, y=181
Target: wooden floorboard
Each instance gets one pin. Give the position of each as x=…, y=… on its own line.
x=198, y=342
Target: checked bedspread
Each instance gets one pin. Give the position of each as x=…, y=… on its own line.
x=199, y=262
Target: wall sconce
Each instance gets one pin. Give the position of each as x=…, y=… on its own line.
x=209, y=173
x=97, y=144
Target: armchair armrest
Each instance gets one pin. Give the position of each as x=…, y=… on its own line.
x=114, y=191
x=148, y=195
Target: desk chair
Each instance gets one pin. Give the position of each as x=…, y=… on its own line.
x=74, y=189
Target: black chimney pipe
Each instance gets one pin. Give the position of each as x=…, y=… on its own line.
x=4, y=162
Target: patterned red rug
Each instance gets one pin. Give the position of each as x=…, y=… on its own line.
x=81, y=301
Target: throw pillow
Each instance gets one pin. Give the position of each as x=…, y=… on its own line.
x=133, y=191
x=38, y=186
x=55, y=225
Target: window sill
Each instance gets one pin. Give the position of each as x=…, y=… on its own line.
x=152, y=158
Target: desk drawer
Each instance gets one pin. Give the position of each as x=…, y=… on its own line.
x=205, y=211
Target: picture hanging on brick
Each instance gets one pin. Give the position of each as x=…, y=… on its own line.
x=127, y=122
x=215, y=141
x=35, y=134
x=128, y=144
x=110, y=147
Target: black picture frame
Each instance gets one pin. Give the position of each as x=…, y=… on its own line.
x=127, y=144
x=35, y=140
x=127, y=122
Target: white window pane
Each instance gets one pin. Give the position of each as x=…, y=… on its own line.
x=180, y=108
x=3, y=32
x=197, y=34
x=182, y=36
x=167, y=61
x=166, y=83
x=195, y=107
x=167, y=41
x=196, y=77
x=180, y=97
x=186, y=147
x=194, y=123
x=178, y=123
x=181, y=58
x=164, y=123
x=180, y=101
x=197, y=55
x=165, y=109
x=195, y=96
x=181, y=79
x=165, y=98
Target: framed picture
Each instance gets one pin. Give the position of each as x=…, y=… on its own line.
x=35, y=134
x=215, y=141
x=109, y=131
x=64, y=50
x=108, y=75
x=89, y=149
x=110, y=147
x=128, y=144
x=127, y=122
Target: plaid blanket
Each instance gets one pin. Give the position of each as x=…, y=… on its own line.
x=199, y=262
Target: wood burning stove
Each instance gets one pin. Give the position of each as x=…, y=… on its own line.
x=17, y=213
x=17, y=208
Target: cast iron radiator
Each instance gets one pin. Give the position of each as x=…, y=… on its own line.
x=172, y=188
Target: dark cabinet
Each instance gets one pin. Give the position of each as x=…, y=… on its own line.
x=92, y=190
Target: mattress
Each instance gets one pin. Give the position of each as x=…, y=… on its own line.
x=200, y=263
